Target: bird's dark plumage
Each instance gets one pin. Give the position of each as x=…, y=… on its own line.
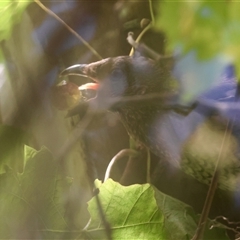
x=190, y=142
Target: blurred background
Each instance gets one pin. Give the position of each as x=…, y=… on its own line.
x=41, y=184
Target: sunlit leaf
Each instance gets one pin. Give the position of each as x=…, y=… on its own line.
x=127, y=213
x=142, y=212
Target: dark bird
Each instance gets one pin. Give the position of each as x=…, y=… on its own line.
x=145, y=95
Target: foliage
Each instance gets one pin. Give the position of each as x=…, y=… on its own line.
x=10, y=14
x=208, y=27
x=32, y=202
x=143, y=212
x=33, y=206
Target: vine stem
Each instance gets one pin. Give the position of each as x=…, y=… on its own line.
x=211, y=191
x=123, y=153
x=146, y=28
x=69, y=28
x=151, y=11
x=148, y=166
x=130, y=54
x=140, y=36
x=72, y=141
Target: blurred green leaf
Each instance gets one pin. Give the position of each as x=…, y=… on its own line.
x=11, y=148
x=32, y=203
x=10, y=14
x=142, y=212
x=208, y=27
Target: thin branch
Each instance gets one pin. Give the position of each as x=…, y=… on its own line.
x=116, y=158
x=227, y=220
x=146, y=28
x=155, y=99
x=151, y=11
x=107, y=226
x=76, y=134
x=69, y=29
x=232, y=226
x=140, y=36
x=148, y=166
x=145, y=50
x=213, y=186
x=211, y=191
x=65, y=149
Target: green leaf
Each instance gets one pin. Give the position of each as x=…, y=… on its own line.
x=131, y=211
x=10, y=14
x=142, y=212
x=208, y=27
x=32, y=202
x=194, y=25
x=11, y=148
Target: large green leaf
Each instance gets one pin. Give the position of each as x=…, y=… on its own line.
x=142, y=212
x=32, y=202
x=131, y=211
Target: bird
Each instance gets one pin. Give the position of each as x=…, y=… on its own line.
x=145, y=95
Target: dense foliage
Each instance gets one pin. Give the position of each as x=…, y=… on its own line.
x=34, y=188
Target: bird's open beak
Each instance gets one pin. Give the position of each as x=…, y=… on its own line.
x=80, y=70
x=85, y=70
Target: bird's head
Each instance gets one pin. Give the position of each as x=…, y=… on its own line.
x=124, y=76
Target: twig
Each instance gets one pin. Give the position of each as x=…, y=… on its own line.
x=140, y=36
x=227, y=220
x=211, y=191
x=148, y=166
x=213, y=186
x=76, y=134
x=151, y=11
x=117, y=157
x=145, y=50
x=67, y=146
x=113, y=104
x=215, y=223
x=146, y=28
x=69, y=28
x=107, y=226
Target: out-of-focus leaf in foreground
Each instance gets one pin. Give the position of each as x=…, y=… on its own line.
x=142, y=212
x=32, y=202
x=207, y=27
x=10, y=14
x=11, y=148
